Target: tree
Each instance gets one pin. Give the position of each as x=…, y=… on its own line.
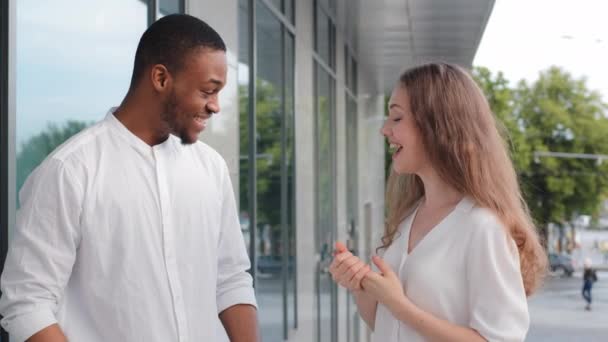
x=555, y=113
x=38, y=147
x=268, y=118
x=502, y=100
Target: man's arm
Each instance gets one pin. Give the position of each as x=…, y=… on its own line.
x=236, y=304
x=241, y=323
x=42, y=252
x=49, y=334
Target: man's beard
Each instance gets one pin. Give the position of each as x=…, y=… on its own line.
x=171, y=118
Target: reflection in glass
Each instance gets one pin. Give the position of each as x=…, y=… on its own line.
x=268, y=140
x=275, y=239
x=290, y=169
x=325, y=202
x=289, y=10
x=323, y=36
x=63, y=85
x=243, y=91
x=351, y=203
x=166, y=7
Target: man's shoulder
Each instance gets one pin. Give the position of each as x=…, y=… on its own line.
x=208, y=153
x=79, y=143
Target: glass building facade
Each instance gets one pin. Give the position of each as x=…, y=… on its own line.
x=299, y=128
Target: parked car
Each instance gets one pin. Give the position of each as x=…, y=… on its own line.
x=561, y=263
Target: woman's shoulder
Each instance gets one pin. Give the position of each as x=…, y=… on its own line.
x=481, y=227
x=477, y=218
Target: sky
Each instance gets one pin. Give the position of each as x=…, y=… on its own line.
x=75, y=67
x=524, y=37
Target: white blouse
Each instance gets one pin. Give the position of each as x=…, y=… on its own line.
x=466, y=271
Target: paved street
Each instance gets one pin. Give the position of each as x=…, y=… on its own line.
x=558, y=314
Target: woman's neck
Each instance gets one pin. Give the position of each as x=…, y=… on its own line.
x=438, y=193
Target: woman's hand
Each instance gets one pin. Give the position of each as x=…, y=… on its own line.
x=385, y=286
x=347, y=269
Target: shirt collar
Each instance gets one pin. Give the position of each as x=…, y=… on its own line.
x=133, y=140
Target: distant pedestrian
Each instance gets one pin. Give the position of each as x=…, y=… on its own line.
x=589, y=277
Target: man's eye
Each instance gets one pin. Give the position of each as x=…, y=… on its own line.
x=397, y=119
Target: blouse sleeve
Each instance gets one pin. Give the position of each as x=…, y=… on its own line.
x=497, y=299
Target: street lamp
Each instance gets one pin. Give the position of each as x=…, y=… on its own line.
x=599, y=158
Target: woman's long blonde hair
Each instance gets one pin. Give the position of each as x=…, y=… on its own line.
x=462, y=139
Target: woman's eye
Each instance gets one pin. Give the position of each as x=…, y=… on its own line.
x=397, y=119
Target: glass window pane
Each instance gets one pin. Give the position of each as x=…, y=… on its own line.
x=329, y=5
x=270, y=88
x=290, y=10
x=290, y=160
x=70, y=69
x=325, y=200
x=352, y=198
x=324, y=158
x=243, y=91
x=323, y=36
x=353, y=76
x=347, y=60
x=166, y=7
x=278, y=4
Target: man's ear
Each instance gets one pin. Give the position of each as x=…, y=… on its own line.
x=161, y=78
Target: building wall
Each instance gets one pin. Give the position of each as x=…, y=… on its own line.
x=305, y=175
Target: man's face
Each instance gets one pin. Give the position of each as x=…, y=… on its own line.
x=194, y=95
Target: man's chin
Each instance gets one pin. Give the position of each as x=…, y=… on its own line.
x=188, y=138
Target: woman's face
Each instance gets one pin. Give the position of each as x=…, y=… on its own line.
x=409, y=156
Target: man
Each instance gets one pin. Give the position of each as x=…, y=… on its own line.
x=129, y=231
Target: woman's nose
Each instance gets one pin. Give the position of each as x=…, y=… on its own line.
x=385, y=130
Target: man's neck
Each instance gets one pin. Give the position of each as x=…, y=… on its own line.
x=142, y=118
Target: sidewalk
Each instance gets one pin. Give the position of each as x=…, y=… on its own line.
x=557, y=311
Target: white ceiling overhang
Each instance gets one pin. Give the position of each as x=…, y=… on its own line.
x=398, y=34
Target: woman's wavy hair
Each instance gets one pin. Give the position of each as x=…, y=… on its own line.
x=466, y=148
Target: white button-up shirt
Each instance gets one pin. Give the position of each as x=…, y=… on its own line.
x=120, y=241
x=465, y=271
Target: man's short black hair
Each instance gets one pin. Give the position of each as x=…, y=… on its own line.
x=169, y=40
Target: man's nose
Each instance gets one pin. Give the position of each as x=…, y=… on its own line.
x=213, y=105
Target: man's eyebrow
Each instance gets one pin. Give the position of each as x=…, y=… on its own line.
x=218, y=82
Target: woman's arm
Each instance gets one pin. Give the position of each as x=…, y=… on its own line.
x=431, y=327
x=366, y=306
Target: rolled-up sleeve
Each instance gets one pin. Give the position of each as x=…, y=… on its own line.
x=42, y=252
x=234, y=283
x=498, y=304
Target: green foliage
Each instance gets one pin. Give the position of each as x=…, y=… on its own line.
x=555, y=113
x=268, y=140
x=38, y=147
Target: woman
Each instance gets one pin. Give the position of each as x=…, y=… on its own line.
x=459, y=254
x=589, y=277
